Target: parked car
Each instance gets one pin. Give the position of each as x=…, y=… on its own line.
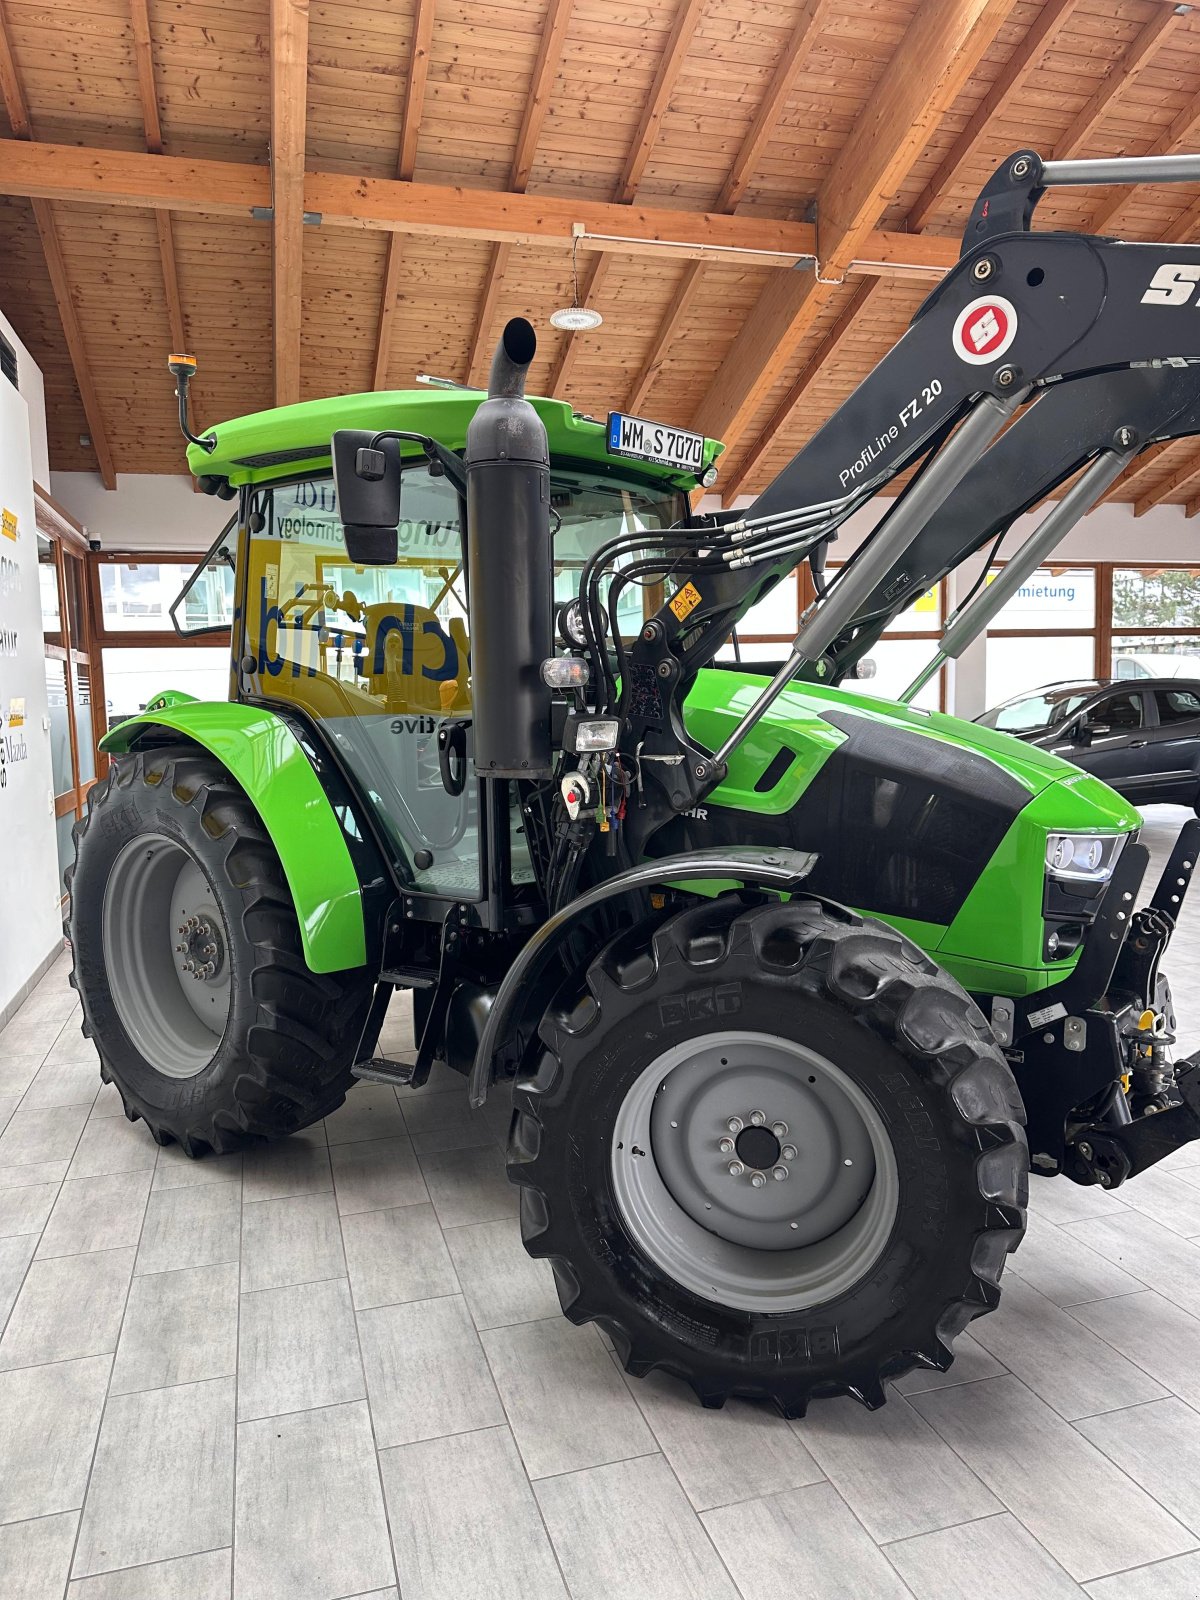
x=1141, y=736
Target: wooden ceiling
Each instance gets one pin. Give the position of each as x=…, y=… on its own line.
x=322, y=196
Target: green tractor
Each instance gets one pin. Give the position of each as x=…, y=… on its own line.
x=776, y=973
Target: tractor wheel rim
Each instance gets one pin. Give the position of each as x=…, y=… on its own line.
x=754, y=1172
x=166, y=950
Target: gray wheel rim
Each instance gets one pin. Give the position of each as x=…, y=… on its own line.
x=783, y=1114
x=166, y=950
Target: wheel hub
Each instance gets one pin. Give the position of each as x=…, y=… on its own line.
x=757, y=1147
x=201, y=949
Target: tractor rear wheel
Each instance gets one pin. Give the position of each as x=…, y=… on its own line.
x=772, y=1149
x=189, y=962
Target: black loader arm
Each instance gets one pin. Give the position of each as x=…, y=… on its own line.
x=1097, y=339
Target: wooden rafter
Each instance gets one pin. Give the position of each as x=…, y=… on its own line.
x=1179, y=137
x=811, y=371
x=939, y=52
x=537, y=103
x=670, y=65
x=1185, y=478
x=672, y=324
x=289, y=96
x=43, y=215
x=1146, y=43
x=1017, y=69
x=410, y=122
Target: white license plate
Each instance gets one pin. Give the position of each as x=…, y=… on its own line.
x=654, y=441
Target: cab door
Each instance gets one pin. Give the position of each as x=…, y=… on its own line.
x=1111, y=739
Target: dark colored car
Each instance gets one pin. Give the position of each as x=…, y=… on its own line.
x=1141, y=736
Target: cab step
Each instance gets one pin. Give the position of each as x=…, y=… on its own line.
x=378, y=1069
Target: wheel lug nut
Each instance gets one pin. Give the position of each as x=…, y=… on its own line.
x=788, y=1152
x=779, y=1129
x=758, y=1181
x=758, y=1118
x=736, y=1169
x=726, y=1147
x=779, y=1173
x=735, y=1124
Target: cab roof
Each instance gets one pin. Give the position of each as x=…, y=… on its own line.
x=290, y=440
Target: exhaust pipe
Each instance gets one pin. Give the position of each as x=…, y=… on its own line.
x=510, y=566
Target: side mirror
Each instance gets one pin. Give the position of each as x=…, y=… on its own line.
x=367, y=482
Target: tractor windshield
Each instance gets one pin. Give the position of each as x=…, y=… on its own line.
x=380, y=655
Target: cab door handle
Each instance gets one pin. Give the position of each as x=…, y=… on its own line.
x=1138, y=743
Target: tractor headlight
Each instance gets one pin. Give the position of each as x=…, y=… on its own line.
x=1083, y=858
x=584, y=735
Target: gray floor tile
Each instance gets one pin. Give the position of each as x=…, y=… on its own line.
x=397, y=1255
x=298, y=1478
x=445, y=1122
x=469, y=1186
x=291, y=1241
x=180, y=1327
x=204, y=1577
x=35, y=1172
x=426, y=1373
x=971, y=1362
x=63, y=1083
x=1168, y=1199
x=1065, y=1269
x=287, y=1167
x=96, y=1214
x=370, y=1111
x=1067, y=1367
x=375, y=1175
x=25, y=1210
x=51, y=1418
x=1178, y=1579
x=1158, y=1445
x=473, y=1480
x=174, y=1170
x=804, y=1542
x=8, y=1107
x=1089, y=1516
x=892, y=1470
x=17, y=1072
x=992, y=1559
x=68, y=1307
x=107, y=1103
x=162, y=1482
x=502, y=1282
x=71, y=1045
x=1058, y=1200
x=566, y=1401
x=36, y=1555
x=628, y=1530
x=738, y=1453
x=36, y=1136
x=191, y=1228
x=16, y=1252
x=1164, y=1340
x=297, y=1348
x=112, y=1145
x=1159, y=1259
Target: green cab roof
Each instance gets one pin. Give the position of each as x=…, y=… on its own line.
x=290, y=440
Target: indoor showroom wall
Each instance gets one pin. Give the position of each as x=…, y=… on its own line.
x=30, y=929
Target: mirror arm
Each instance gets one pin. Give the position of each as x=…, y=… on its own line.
x=445, y=461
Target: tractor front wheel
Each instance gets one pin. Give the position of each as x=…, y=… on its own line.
x=772, y=1149
x=189, y=962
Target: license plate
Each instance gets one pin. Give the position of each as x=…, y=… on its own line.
x=654, y=441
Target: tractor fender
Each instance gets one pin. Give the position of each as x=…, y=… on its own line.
x=263, y=756
x=779, y=870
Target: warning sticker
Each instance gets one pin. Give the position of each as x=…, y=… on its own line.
x=685, y=601
x=984, y=330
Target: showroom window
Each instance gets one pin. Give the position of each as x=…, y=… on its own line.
x=1045, y=634
x=1155, y=627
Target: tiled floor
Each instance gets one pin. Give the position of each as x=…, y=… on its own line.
x=327, y=1369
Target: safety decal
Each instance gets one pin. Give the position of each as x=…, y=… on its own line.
x=984, y=330
x=685, y=601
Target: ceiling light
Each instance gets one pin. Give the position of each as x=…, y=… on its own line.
x=576, y=318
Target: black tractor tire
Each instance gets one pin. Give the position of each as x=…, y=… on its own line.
x=813, y=977
x=284, y=1038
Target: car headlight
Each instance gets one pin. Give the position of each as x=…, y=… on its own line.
x=1083, y=858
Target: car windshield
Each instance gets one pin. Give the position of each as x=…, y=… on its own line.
x=1033, y=713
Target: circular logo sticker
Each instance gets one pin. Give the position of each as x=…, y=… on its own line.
x=984, y=330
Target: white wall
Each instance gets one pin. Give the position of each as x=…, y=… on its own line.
x=29, y=921
x=146, y=511
x=29, y=382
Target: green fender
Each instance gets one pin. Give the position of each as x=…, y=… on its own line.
x=261, y=753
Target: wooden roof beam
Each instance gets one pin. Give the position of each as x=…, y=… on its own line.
x=940, y=50
x=410, y=122
x=139, y=17
x=1142, y=49
x=1179, y=138
x=289, y=105
x=1185, y=477
x=43, y=215
x=1011, y=80
x=537, y=103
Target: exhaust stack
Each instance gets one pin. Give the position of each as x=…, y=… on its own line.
x=511, y=568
